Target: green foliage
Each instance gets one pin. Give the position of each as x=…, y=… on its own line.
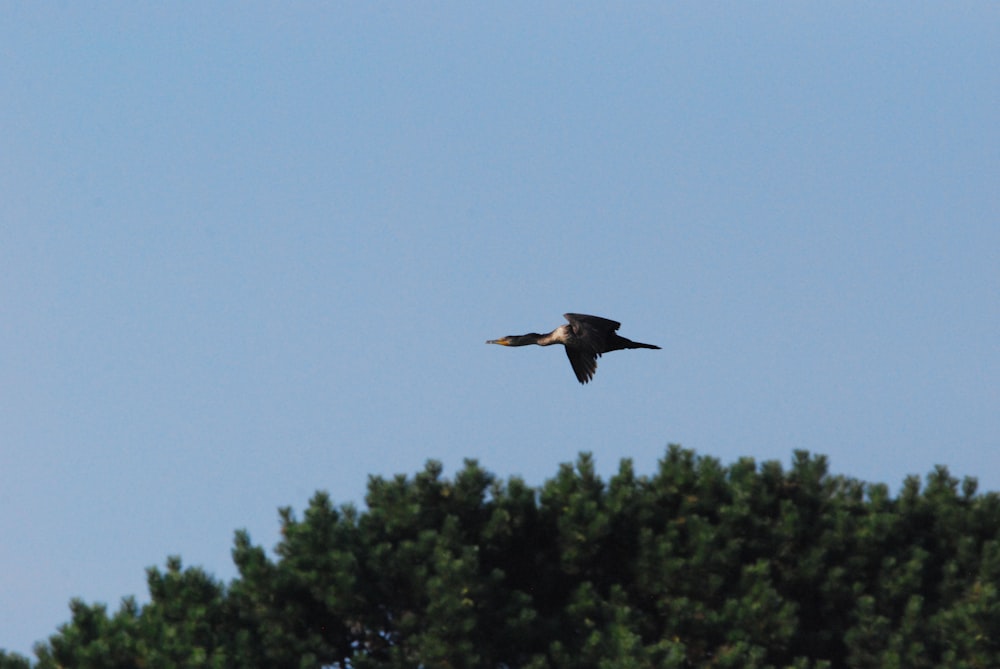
x=696, y=566
x=13, y=661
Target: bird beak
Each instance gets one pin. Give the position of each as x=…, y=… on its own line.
x=502, y=342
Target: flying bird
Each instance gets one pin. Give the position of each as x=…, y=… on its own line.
x=585, y=338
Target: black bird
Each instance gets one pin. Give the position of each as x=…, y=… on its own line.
x=585, y=338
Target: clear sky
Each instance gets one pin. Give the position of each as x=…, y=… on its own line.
x=252, y=250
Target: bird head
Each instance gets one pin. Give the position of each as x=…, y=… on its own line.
x=517, y=340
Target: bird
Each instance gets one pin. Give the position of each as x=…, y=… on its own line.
x=585, y=338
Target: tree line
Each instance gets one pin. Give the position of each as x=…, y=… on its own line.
x=698, y=565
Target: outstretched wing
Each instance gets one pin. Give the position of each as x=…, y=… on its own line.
x=589, y=340
x=593, y=332
x=584, y=363
x=593, y=321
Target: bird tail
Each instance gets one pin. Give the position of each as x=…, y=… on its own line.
x=621, y=342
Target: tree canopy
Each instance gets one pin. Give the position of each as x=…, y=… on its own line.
x=698, y=565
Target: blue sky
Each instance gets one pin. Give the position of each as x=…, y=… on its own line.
x=249, y=251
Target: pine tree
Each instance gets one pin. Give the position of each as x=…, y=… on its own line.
x=697, y=566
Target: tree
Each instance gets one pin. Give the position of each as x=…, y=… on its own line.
x=13, y=661
x=698, y=565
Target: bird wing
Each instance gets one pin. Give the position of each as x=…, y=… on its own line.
x=584, y=363
x=594, y=332
x=593, y=321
